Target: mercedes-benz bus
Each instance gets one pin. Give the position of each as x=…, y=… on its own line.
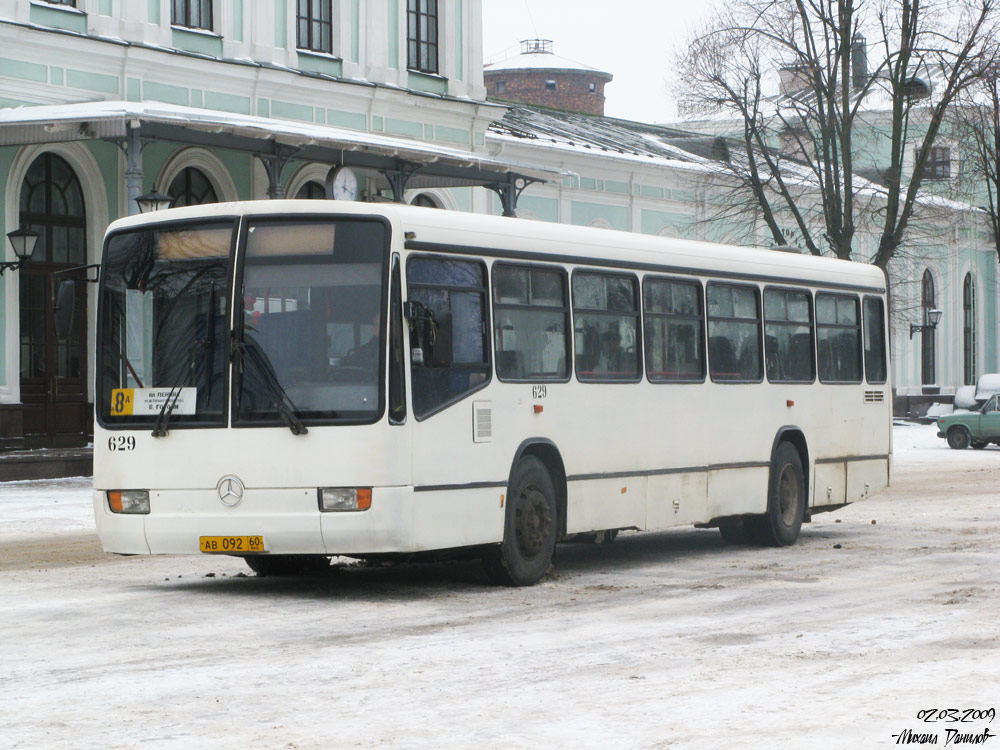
x=288, y=381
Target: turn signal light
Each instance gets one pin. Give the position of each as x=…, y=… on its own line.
x=345, y=498
x=128, y=501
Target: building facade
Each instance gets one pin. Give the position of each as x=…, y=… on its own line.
x=208, y=100
x=103, y=101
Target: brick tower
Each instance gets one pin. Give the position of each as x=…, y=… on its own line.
x=537, y=76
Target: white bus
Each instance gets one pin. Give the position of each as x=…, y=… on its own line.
x=292, y=380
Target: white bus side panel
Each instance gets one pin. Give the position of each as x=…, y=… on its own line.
x=457, y=518
x=675, y=499
x=735, y=491
x=594, y=504
x=865, y=478
x=449, y=508
x=831, y=483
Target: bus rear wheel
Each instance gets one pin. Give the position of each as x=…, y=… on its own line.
x=287, y=565
x=529, y=537
x=786, y=499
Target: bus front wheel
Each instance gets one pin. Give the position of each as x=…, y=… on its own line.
x=287, y=565
x=529, y=537
x=786, y=499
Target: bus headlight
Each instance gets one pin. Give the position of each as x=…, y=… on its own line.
x=128, y=501
x=345, y=498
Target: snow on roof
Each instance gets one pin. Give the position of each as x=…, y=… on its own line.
x=607, y=136
x=109, y=118
x=536, y=54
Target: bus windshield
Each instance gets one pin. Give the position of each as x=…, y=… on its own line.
x=309, y=345
x=163, y=332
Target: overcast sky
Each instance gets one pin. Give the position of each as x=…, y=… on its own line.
x=634, y=40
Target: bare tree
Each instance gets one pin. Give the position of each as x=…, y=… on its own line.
x=976, y=123
x=798, y=79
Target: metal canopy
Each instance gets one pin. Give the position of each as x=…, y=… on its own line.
x=272, y=140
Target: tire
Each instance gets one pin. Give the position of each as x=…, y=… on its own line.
x=980, y=444
x=735, y=532
x=959, y=438
x=530, y=527
x=287, y=565
x=786, y=500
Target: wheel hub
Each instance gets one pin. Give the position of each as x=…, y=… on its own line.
x=788, y=496
x=533, y=521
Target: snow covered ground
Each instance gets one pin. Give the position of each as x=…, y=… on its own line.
x=884, y=609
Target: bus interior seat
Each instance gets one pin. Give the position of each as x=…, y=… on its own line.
x=800, y=357
x=772, y=358
x=722, y=357
x=847, y=356
x=510, y=364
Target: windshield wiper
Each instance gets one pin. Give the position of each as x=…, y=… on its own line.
x=163, y=418
x=268, y=380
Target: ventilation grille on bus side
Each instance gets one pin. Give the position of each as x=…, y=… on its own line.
x=482, y=421
x=874, y=397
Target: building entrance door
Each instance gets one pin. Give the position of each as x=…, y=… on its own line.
x=53, y=371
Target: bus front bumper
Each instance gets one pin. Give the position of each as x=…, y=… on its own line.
x=289, y=520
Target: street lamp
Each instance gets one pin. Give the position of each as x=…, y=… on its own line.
x=23, y=241
x=153, y=201
x=932, y=316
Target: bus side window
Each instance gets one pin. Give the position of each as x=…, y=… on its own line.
x=606, y=322
x=397, y=378
x=531, y=322
x=838, y=336
x=675, y=330
x=875, y=367
x=734, y=345
x=788, y=336
x=447, y=320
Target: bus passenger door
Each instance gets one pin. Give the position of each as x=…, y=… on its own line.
x=446, y=312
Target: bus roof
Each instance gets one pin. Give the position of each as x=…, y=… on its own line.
x=496, y=236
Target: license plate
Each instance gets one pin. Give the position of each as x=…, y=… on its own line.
x=230, y=545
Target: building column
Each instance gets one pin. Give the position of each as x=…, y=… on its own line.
x=133, y=169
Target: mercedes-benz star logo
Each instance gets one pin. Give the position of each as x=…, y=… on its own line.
x=230, y=490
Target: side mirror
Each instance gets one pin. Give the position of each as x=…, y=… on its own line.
x=62, y=312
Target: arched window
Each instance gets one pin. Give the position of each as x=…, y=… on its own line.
x=927, y=353
x=53, y=370
x=424, y=200
x=191, y=188
x=52, y=205
x=312, y=190
x=969, y=329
